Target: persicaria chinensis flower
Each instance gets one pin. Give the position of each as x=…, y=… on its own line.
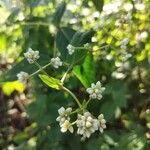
x=23, y=77
x=102, y=123
x=124, y=43
x=95, y=91
x=31, y=55
x=70, y=49
x=56, y=62
x=66, y=126
x=63, y=115
x=86, y=125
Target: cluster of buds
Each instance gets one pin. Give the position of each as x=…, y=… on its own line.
x=56, y=62
x=86, y=123
x=70, y=49
x=23, y=77
x=32, y=56
x=124, y=43
x=64, y=119
x=95, y=91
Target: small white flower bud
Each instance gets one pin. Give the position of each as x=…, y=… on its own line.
x=56, y=62
x=31, y=55
x=70, y=49
x=23, y=77
x=95, y=91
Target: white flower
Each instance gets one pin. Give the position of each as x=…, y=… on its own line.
x=129, y=17
x=86, y=45
x=95, y=91
x=86, y=125
x=63, y=115
x=31, y=55
x=124, y=43
x=56, y=62
x=71, y=49
x=66, y=126
x=102, y=123
x=23, y=77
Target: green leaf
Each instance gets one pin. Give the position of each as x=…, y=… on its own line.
x=118, y=90
x=98, y=4
x=108, y=109
x=81, y=38
x=51, y=82
x=67, y=36
x=59, y=13
x=84, y=72
x=63, y=38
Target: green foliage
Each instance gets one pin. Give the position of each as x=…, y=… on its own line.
x=63, y=38
x=59, y=13
x=84, y=72
x=49, y=27
x=98, y=4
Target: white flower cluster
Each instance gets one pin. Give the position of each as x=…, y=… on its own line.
x=86, y=123
x=95, y=91
x=64, y=119
x=70, y=49
x=23, y=77
x=56, y=62
x=31, y=55
x=102, y=123
x=124, y=43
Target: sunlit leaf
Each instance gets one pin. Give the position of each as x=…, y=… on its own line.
x=9, y=87
x=84, y=72
x=51, y=82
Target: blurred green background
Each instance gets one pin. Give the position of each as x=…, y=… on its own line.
x=28, y=114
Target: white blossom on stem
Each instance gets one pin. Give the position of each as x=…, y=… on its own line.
x=63, y=115
x=31, y=55
x=66, y=126
x=56, y=62
x=86, y=125
x=95, y=91
x=23, y=77
x=102, y=123
x=70, y=49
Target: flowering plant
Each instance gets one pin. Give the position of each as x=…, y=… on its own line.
x=74, y=75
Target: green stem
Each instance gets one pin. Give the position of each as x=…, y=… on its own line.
x=73, y=123
x=87, y=102
x=74, y=97
x=65, y=74
x=81, y=48
x=42, y=68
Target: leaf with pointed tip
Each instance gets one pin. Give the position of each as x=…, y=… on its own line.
x=51, y=82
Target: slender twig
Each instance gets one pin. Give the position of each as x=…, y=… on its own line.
x=74, y=97
x=65, y=74
x=42, y=68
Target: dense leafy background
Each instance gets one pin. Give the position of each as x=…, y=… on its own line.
x=28, y=114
